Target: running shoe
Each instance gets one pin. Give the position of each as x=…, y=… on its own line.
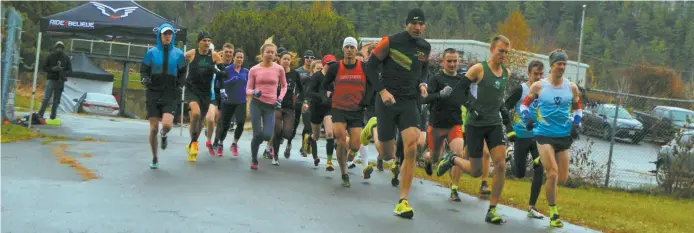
x=351, y=165
x=329, y=166
x=403, y=209
x=366, y=133
x=287, y=150
x=492, y=217
x=254, y=166
x=454, y=194
x=484, y=188
x=428, y=169
x=533, y=213
x=368, y=169
x=154, y=164
x=192, y=149
x=554, y=220
x=234, y=149
x=275, y=162
x=316, y=162
x=445, y=164
x=220, y=150
x=210, y=149
x=379, y=165
x=266, y=154
x=396, y=172
x=164, y=142
x=345, y=181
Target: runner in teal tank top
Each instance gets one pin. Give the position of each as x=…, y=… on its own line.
x=482, y=92
x=557, y=98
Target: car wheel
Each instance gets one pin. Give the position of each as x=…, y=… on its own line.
x=637, y=139
x=606, y=133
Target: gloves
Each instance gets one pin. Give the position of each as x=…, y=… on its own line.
x=529, y=123
x=278, y=104
x=511, y=136
x=146, y=80
x=223, y=94
x=575, y=126
x=257, y=93
x=445, y=92
x=56, y=68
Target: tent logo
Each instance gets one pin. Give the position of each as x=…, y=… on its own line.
x=114, y=12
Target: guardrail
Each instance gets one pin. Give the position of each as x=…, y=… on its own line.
x=110, y=49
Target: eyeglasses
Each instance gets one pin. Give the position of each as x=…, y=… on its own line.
x=309, y=57
x=451, y=61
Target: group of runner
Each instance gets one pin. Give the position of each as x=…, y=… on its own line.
x=385, y=87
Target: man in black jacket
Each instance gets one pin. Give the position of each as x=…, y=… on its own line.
x=57, y=67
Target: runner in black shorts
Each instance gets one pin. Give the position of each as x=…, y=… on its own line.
x=163, y=70
x=198, y=91
x=486, y=83
x=404, y=58
x=348, y=103
x=304, y=75
x=319, y=106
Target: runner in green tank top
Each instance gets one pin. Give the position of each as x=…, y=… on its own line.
x=485, y=83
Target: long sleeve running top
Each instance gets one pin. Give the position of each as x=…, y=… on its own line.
x=234, y=85
x=266, y=79
x=404, y=59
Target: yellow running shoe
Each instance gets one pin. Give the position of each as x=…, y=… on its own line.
x=329, y=166
x=404, y=210
x=366, y=133
x=192, y=149
x=554, y=219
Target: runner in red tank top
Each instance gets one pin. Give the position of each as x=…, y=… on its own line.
x=348, y=102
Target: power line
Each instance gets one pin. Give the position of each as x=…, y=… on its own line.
x=628, y=64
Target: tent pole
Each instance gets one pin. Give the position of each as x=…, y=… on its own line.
x=123, y=88
x=36, y=72
x=183, y=94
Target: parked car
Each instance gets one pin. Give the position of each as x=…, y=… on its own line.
x=97, y=104
x=663, y=122
x=599, y=119
x=669, y=153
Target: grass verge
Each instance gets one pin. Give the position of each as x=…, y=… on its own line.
x=133, y=80
x=16, y=133
x=611, y=211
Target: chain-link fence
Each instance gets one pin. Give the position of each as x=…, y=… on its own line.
x=622, y=135
x=12, y=37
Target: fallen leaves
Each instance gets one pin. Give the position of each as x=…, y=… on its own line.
x=61, y=155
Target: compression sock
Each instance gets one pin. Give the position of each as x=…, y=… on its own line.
x=330, y=148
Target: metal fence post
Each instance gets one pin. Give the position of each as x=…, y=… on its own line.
x=614, y=126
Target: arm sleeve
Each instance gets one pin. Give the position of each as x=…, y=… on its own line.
x=251, y=82
x=461, y=91
x=46, y=64
x=514, y=97
x=310, y=87
x=425, y=73
x=330, y=75
x=433, y=87
x=283, y=82
x=378, y=54
x=299, y=87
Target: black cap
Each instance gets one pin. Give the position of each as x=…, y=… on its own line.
x=280, y=50
x=203, y=35
x=415, y=14
x=309, y=53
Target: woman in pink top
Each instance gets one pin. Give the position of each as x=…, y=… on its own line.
x=263, y=80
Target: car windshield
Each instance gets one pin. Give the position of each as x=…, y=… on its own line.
x=102, y=98
x=622, y=113
x=682, y=116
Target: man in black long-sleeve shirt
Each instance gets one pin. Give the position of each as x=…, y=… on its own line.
x=57, y=67
x=404, y=58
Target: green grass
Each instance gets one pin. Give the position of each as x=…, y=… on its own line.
x=24, y=102
x=15, y=133
x=133, y=80
x=601, y=209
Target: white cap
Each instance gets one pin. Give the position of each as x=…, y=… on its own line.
x=350, y=41
x=166, y=29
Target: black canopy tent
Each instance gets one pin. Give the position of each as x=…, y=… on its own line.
x=123, y=21
x=84, y=68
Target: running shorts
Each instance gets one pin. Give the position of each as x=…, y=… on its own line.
x=399, y=116
x=158, y=103
x=558, y=143
x=353, y=119
x=318, y=113
x=475, y=136
x=203, y=100
x=454, y=132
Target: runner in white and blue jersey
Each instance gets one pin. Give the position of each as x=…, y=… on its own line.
x=524, y=143
x=557, y=98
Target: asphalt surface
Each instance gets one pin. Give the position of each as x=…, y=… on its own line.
x=215, y=194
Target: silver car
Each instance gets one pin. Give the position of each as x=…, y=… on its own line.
x=679, y=149
x=97, y=104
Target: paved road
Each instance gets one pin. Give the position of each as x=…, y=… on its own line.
x=214, y=195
